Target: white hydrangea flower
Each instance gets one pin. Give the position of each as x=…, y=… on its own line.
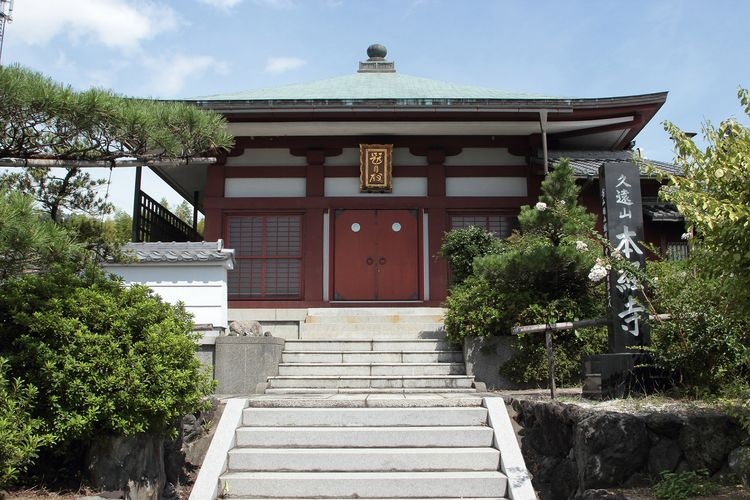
x=581, y=246
x=597, y=273
x=686, y=236
x=541, y=206
x=561, y=202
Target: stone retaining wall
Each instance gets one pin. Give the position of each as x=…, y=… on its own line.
x=570, y=449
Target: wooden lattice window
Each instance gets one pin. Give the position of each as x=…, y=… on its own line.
x=268, y=256
x=500, y=225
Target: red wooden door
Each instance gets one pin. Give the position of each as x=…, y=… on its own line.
x=376, y=255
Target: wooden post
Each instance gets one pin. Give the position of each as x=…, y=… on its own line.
x=135, y=237
x=550, y=360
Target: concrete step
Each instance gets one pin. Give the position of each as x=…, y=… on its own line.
x=372, y=312
x=374, y=332
x=368, y=344
x=367, y=382
x=395, y=328
x=363, y=460
x=406, y=356
x=338, y=390
x=398, y=399
x=365, y=437
x=363, y=417
x=372, y=369
x=363, y=484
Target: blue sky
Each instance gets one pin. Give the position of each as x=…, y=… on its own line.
x=696, y=50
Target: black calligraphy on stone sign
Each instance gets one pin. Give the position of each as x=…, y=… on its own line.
x=623, y=227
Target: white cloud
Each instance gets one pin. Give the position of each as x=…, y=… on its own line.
x=222, y=4
x=117, y=24
x=283, y=64
x=169, y=75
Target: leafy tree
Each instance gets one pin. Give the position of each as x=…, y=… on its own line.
x=461, y=246
x=539, y=275
x=185, y=212
x=43, y=121
x=29, y=241
x=713, y=193
x=83, y=355
x=706, y=344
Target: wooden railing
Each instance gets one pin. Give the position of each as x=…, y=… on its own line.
x=153, y=222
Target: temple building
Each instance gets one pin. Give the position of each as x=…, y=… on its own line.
x=338, y=192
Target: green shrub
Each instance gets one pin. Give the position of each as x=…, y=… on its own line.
x=106, y=359
x=683, y=485
x=707, y=341
x=461, y=246
x=20, y=434
x=471, y=311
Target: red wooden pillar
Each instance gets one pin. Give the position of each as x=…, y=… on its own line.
x=215, y=178
x=437, y=221
x=313, y=227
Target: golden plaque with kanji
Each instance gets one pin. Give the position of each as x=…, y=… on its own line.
x=375, y=168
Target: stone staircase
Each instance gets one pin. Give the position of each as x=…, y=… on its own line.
x=364, y=453
x=371, y=350
x=367, y=404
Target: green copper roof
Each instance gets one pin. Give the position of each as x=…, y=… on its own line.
x=361, y=86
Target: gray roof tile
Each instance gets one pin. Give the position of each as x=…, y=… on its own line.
x=203, y=251
x=587, y=163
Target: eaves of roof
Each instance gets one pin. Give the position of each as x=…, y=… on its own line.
x=587, y=163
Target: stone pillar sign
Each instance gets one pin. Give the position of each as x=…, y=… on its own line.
x=625, y=368
x=622, y=213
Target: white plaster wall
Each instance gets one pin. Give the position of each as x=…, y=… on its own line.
x=266, y=157
x=348, y=157
x=485, y=157
x=349, y=186
x=289, y=187
x=201, y=287
x=486, y=186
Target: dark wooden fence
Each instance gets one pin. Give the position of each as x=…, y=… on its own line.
x=153, y=222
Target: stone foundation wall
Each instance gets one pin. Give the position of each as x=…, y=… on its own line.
x=484, y=356
x=570, y=449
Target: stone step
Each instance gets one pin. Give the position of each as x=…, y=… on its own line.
x=365, y=437
x=363, y=484
x=363, y=417
x=372, y=369
x=374, y=332
x=368, y=345
x=398, y=399
x=366, y=328
x=337, y=390
x=406, y=356
x=364, y=460
x=367, y=382
x=391, y=498
x=375, y=319
x=372, y=312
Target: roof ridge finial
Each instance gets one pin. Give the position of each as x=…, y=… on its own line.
x=376, y=62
